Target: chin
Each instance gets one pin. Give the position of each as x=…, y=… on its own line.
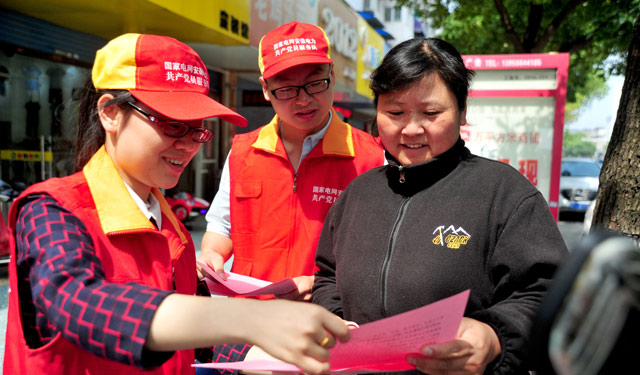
x=408, y=161
x=168, y=184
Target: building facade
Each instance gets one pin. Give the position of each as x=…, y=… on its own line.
x=46, y=52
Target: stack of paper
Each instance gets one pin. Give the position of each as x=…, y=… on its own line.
x=383, y=345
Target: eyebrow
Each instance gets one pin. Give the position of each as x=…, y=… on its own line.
x=318, y=70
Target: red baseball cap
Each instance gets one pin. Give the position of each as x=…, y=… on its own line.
x=163, y=73
x=290, y=45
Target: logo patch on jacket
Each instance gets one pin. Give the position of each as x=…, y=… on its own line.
x=325, y=194
x=452, y=237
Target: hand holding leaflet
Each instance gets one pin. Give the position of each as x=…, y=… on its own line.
x=241, y=285
x=383, y=345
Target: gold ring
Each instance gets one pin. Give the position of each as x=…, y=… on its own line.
x=325, y=341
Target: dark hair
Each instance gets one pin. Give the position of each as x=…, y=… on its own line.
x=409, y=61
x=91, y=134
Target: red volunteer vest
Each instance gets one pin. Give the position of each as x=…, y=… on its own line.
x=130, y=250
x=276, y=213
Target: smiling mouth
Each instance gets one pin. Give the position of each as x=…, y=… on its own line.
x=413, y=147
x=177, y=163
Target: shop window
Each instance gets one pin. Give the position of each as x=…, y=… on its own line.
x=38, y=124
x=4, y=77
x=387, y=14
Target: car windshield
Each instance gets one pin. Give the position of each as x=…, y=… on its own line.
x=580, y=169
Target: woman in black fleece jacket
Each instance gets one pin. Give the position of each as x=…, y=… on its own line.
x=438, y=220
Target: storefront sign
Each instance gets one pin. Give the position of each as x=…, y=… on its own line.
x=25, y=155
x=370, y=53
x=515, y=114
x=340, y=23
x=266, y=15
x=229, y=17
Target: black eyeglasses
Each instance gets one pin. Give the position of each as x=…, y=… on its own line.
x=313, y=87
x=176, y=129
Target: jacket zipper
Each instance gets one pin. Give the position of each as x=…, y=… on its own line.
x=401, y=170
x=295, y=181
x=389, y=255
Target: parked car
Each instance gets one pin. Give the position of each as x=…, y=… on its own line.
x=578, y=184
x=186, y=207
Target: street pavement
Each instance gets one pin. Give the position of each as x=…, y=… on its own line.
x=571, y=232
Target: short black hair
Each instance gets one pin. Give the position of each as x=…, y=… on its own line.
x=406, y=64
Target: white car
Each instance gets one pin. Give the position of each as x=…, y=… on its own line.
x=578, y=184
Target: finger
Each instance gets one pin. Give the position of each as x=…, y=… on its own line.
x=351, y=324
x=222, y=274
x=306, y=297
x=312, y=366
x=450, y=366
x=318, y=352
x=291, y=296
x=452, y=349
x=217, y=264
x=337, y=327
x=328, y=341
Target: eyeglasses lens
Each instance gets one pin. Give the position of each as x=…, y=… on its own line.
x=290, y=92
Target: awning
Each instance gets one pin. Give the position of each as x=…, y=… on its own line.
x=371, y=19
x=384, y=34
x=217, y=22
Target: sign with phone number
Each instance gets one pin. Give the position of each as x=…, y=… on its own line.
x=515, y=114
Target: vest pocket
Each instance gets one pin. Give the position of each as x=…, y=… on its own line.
x=247, y=189
x=246, y=209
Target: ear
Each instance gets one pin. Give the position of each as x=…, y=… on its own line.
x=110, y=116
x=333, y=75
x=463, y=116
x=265, y=90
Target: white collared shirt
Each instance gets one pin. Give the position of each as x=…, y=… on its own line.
x=150, y=209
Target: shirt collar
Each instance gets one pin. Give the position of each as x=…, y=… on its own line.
x=316, y=137
x=150, y=209
x=336, y=136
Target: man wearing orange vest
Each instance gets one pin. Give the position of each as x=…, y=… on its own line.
x=281, y=179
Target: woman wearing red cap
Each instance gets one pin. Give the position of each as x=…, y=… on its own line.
x=102, y=274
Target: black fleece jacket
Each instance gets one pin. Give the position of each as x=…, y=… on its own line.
x=402, y=237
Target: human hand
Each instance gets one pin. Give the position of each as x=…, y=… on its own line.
x=213, y=260
x=215, y=250
x=475, y=346
x=303, y=293
x=295, y=332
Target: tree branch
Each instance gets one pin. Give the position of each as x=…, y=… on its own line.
x=576, y=44
x=585, y=41
x=533, y=26
x=553, y=27
x=508, y=26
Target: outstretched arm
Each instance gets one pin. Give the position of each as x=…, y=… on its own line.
x=290, y=331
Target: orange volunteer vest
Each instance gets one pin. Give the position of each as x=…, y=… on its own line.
x=276, y=212
x=130, y=249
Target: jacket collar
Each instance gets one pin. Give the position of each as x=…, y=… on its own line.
x=116, y=208
x=419, y=176
x=338, y=139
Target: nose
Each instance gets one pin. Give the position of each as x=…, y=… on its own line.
x=303, y=98
x=413, y=127
x=187, y=144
